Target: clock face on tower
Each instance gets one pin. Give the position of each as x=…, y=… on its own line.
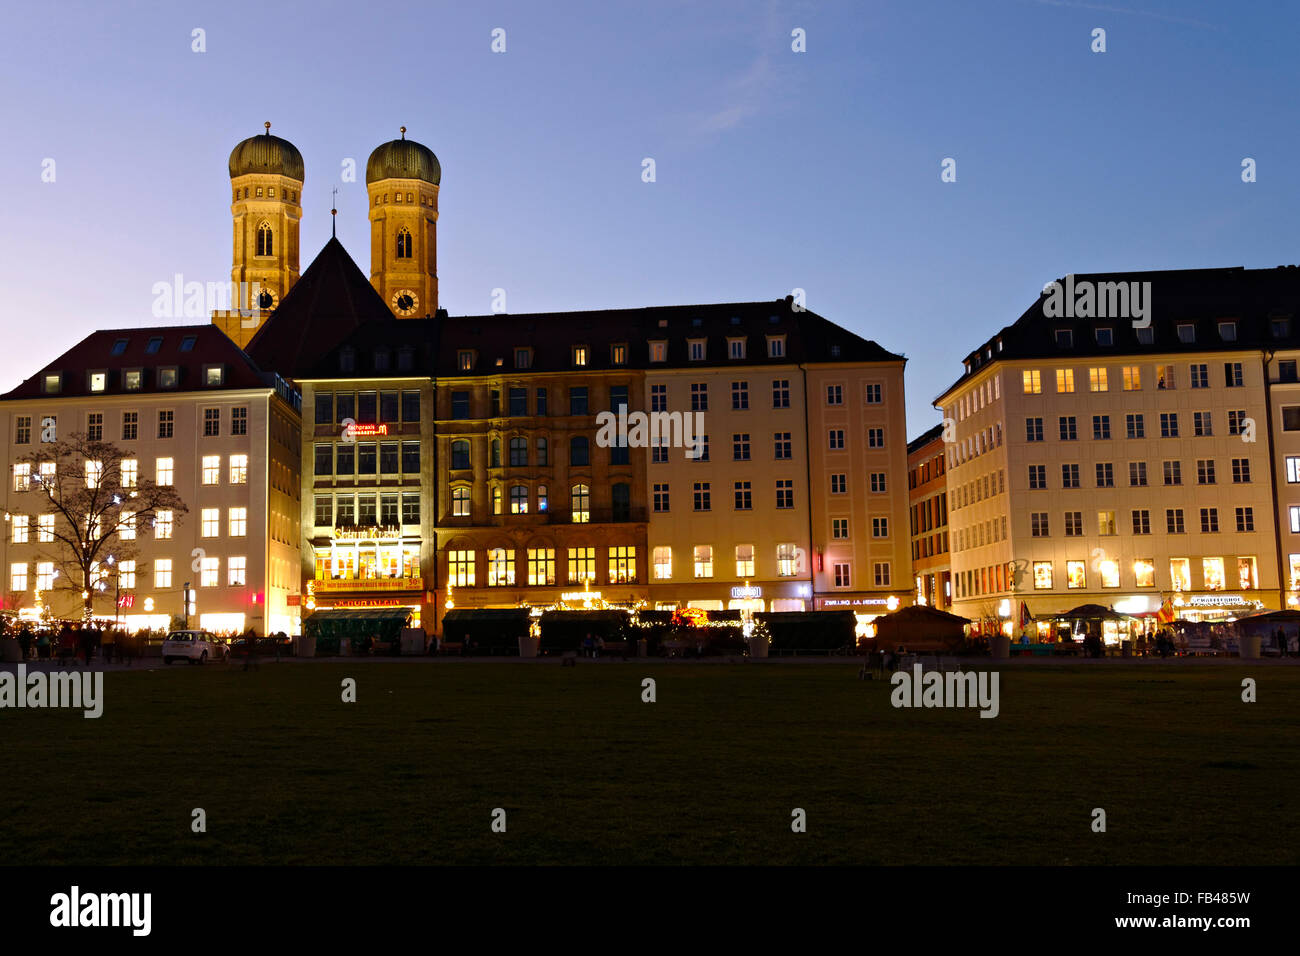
x=266, y=299
x=405, y=302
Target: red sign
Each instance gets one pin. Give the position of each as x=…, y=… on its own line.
x=293, y=600
x=367, y=431
x=126, y=600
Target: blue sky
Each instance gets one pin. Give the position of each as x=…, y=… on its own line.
x=775, y=170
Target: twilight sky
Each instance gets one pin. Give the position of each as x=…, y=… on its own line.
x=775, y=170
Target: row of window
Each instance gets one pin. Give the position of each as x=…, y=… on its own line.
x=370, y=407
x=1130, y=377
x=539, y=566
x=133, y=379
x=128, y=578
x=1104, y=472
x=579, y=355
x=742, y=496
x=1135, y=425
x=1039, y=526
x=346, y=459
x=164, y=472
x=130, y=425
x=367, y=509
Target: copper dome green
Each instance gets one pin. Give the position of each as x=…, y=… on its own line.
x=266, y=154
x=403, y=159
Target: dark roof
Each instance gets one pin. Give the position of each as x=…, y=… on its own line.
x=1200, y=297
x=923, y=439
x=403, y=159
x=400, y=349
x=329, y=301
x=266, y=154
x=551, y=335
x=208, y=345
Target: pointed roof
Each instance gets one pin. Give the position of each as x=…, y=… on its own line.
x=326, y=305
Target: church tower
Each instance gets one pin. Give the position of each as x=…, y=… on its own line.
x=266, y=176
x=402, y=179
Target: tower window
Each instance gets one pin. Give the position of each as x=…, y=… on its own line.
x=404, y=244
x=271, y=192
x=264, y=243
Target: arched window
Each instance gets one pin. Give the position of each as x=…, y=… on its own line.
x=518, y=452
x=518, y=500
x=622, y=494
x=460, y=453
x=579, y=451
x=404, y=244
x=580, y=504
x=264, y=243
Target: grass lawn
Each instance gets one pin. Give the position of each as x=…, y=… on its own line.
x=587, y=773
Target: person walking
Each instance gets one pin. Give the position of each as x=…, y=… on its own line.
x=1279, y=638
x=25, y=641
x=250, y=650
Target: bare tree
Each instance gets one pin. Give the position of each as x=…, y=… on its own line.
x=98, y=510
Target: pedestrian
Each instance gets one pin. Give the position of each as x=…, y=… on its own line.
x=25, y=641
x=250, y=650
x=1279, y=638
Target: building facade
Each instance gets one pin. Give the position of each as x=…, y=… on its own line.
x=1099, y=462
x=927, y=485
x=188, y=410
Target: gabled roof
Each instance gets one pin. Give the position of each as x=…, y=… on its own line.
x=188, y=348
x=404, y=348
x=329, y=302
x=1199, y=297
x=925, y=438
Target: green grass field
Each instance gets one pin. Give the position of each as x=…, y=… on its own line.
x=588, y=773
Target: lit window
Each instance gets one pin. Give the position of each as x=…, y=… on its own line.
x=209, y=572
x=19, y=528
x=460, y=568
x=45, y=529
x=236, y=572
x=238, y=469
x=18, y=577
x=162, y=525
x=211, y=469
x=238, y=522
x=663, y=562
x=211, y=522
x=703, y=561
x=163, y=470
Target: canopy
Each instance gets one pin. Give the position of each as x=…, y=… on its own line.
x=383, y=623
x=1093, y=612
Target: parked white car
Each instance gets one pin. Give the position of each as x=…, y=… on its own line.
x=197, y=647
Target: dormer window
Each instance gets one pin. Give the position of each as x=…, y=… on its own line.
x=523, y=358
x=465, y=360
x=52, y=383
x=776, y=346
x=132, y=379
x=1106, y=336
x=659, y=351
x=1146, y=336
x=381, y=359
x=579, y=356
x=1228, y=331
x=1280, y=327
x=98, y=381
x=168, y=376
x=1064, y=338
x=119, y=347
x=618, y=354
x=695, y=349
x=696, y=323
x=736, y=348
x=347, y=360
x=187, y=343
x=405, y=358
x=155, y=343
x=835, y=351
x=214, y=375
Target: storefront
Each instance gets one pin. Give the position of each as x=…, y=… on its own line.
x=749, y=598
x=368, y=568
x=1215, y=607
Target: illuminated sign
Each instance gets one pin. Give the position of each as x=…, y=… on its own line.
x=580, y=596
x=126, y=600
x=746, y=593
x=335, y=585
x=293, y=600
x=365, y=602
x=362, y=430
x=367, y=532
x=890, y=602
x=1218, y=600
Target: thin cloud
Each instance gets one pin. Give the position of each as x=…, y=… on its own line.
x=1106, y=8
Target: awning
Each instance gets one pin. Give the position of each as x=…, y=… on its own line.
x=360, y=614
